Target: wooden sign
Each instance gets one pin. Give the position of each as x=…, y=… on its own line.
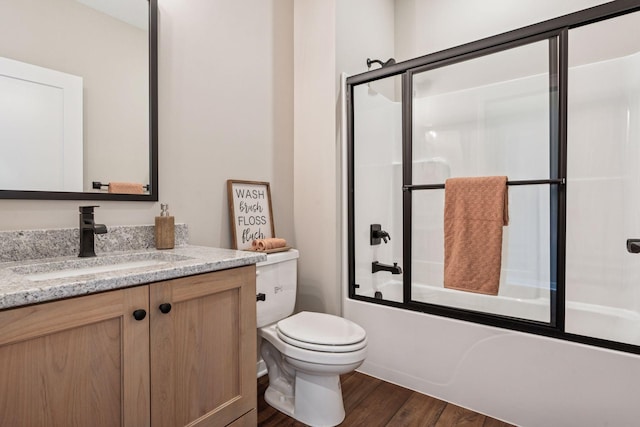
x=250, y=214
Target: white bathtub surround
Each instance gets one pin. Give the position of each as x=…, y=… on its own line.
x=524, y=379
x=598, y=321
x=49, y=243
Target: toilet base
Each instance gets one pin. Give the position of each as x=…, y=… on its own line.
x=280, y=401
x=306, y=387
x=321, y=404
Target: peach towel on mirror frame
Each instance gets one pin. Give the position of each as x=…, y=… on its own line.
x=125, y=188
x=475, y=210
x=266, y=244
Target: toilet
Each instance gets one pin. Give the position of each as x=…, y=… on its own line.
x=304, y=353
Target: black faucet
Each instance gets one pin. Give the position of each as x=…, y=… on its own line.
x=88, y=228
x=394, y=269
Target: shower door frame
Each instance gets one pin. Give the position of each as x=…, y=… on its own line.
x=554, y=29
x=556, y=180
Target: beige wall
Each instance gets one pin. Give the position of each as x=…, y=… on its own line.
x=365, y=29
x=315, y=164
x=226, y=111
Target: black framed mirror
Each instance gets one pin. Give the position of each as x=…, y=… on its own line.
x=79, y=107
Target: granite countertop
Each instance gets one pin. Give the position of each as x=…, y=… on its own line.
x=29, y=282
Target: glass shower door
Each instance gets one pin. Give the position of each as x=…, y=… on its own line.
x=377, y=182
x=491, y=115
x=603, y=177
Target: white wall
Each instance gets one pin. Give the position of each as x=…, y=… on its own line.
x=226, y=111
x=427, y=26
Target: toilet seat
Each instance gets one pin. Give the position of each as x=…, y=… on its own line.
x=321, y=332
x=327, y=358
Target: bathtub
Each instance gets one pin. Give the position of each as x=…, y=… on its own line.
x=590, y=320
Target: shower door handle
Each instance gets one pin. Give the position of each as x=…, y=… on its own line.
x=633, y=246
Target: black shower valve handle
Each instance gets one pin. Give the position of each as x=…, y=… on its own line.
x=382, y=235
x=376, y=233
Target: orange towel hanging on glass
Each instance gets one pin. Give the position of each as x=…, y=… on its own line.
x=475, y=210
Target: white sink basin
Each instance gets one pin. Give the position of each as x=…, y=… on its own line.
x=100, y=264
x=74, y=272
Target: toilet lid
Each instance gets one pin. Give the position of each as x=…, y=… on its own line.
x=321, y=332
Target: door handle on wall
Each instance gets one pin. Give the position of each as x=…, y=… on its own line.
x=633, y=246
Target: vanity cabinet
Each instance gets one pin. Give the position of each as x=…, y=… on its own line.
x=76, y=362
x=203, y=350
x=187, y=357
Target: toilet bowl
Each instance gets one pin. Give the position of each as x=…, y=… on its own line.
x=305, y=353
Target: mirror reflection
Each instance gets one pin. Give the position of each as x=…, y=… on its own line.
x=74, y=95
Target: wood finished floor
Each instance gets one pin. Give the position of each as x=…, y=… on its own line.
x=372, y=402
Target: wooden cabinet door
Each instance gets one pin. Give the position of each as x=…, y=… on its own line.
x=76, y=362
x=249, y=419
x=203, y=351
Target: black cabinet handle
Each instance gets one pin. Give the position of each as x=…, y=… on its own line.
x=165, y=308
x=261, y=297
x=139, y=314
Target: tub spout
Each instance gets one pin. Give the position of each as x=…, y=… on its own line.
x=393, y=269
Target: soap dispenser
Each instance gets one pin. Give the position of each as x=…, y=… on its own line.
x=165, y=229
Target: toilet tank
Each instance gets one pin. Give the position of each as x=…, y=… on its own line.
x=277, y=278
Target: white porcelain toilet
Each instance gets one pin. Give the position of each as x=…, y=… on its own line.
x=306, y=353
